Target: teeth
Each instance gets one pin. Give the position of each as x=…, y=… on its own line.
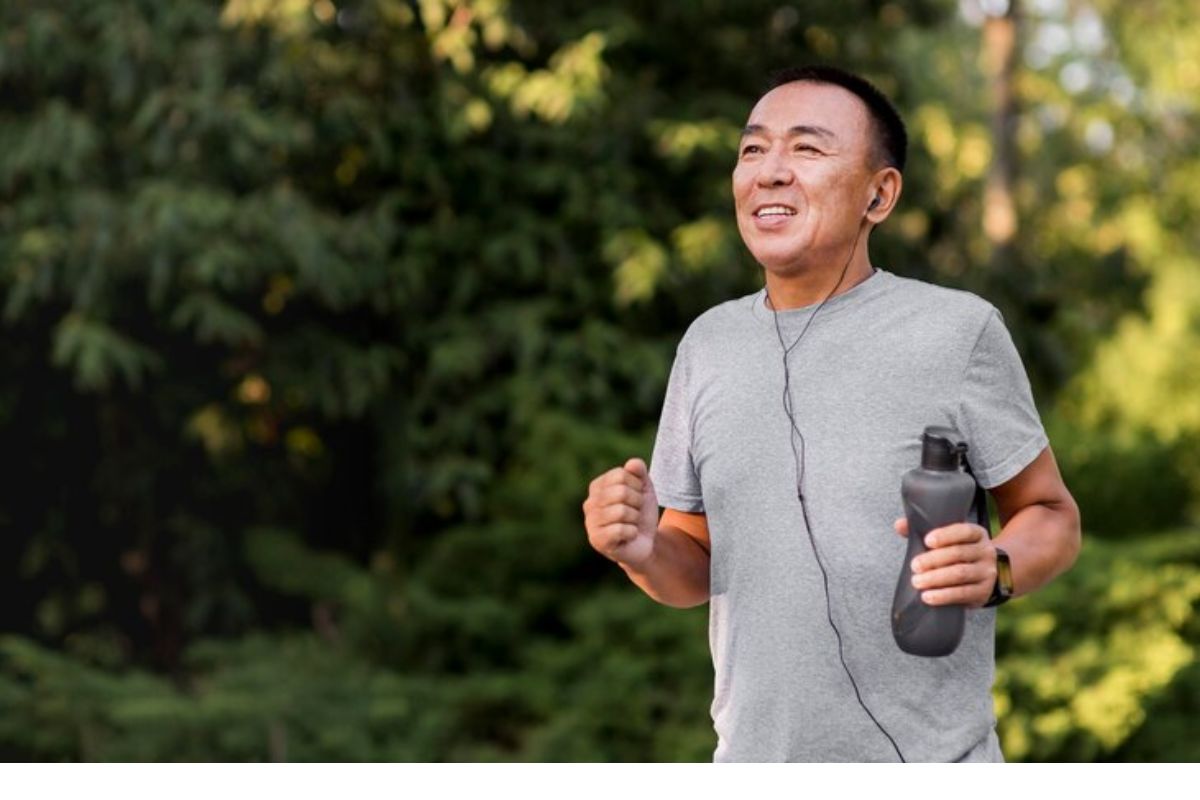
x=774, y=211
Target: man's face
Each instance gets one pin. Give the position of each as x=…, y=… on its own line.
x=803, y=177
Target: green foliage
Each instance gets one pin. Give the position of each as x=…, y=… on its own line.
x=1124, y=486
x=97, y=354
x=257, y=699
x=1098, y=666
x=1087, y=664
x=624, y=679
x=320, y=316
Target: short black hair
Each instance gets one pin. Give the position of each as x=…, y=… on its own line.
x=890, y=134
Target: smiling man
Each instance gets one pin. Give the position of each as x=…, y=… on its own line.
x=789, y=418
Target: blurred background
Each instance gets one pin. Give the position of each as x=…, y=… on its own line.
x=320, y=315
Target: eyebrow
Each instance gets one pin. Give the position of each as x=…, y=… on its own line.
x=795, y=130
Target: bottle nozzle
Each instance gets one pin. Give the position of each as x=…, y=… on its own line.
x=942, y=448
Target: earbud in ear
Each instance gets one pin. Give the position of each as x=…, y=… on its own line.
x=874, y=203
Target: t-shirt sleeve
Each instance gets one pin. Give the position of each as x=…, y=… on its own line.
x=672, y=469
x=996, y=412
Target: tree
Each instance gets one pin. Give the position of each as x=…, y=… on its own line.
x=322, y=315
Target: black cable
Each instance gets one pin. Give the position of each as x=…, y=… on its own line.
x=838, y=634
x=798, y=458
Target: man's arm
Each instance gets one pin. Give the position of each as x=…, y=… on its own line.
x=677, y=571
x=1040, y=532
x=667, y=557
x=1040, y=524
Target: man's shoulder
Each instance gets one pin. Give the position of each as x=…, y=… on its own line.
x=923, y=292
x=934, y=302
x=723, y=321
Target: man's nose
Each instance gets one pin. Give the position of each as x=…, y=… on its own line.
x=773, y=170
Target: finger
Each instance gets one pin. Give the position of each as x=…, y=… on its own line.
x=616, y=513
x=973, y=595
x=613, y=536
x=954, y=575
x=597, y=492
x=615, y=477
x=901, y=527
x=950, y=554
x=958, y=533
x=632, y=478
x=637, y=468
x=622, y=494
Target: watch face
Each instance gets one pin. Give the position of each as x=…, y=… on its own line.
x=1004, y=572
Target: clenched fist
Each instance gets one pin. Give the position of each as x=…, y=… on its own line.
x=621, y=513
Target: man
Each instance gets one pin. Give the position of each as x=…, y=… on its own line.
x=790, y=416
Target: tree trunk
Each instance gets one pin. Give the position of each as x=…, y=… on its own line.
x=999, y=203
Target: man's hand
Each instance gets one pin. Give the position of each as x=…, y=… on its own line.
x=960, y=567
x=621, y=513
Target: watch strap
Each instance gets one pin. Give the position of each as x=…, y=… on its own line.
x=1002, y=589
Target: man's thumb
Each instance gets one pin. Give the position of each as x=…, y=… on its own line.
x=637, y=467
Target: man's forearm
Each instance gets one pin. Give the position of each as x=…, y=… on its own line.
x=676, y=574
x=1042, y=541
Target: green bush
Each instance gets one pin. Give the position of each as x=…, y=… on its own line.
x=1100, y=665
x=1088, y=666
x=1124, y=487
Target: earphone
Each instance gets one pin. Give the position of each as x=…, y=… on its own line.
x=799, y=461
x=874, y=203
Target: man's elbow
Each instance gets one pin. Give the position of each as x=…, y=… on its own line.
x=692, y=602
x=1072, y=531
x=678, y=599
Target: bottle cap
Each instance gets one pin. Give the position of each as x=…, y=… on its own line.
x=942, y=448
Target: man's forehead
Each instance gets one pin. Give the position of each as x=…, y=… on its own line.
x=805, y=104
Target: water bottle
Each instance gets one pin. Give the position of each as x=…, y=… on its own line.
x=938, y=493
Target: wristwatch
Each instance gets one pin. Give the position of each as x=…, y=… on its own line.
x=1003, y=589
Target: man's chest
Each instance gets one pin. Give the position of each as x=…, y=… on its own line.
x=855, y=403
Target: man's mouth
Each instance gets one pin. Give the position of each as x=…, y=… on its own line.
x=775, y=210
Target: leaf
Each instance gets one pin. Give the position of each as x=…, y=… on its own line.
x=98, y=355
x=213, y=320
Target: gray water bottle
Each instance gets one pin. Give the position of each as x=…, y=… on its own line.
x=938, y=493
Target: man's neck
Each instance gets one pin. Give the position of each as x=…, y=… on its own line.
x=812, y=286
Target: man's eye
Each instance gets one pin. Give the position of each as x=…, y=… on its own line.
x=807, y=148
x=751, y=148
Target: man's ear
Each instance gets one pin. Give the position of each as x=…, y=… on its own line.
x=887, y=185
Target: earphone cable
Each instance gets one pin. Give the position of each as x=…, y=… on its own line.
x=787, y=395
x=798, y=457
x=838, y=634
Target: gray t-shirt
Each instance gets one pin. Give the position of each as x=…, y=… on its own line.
x=879, y=363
